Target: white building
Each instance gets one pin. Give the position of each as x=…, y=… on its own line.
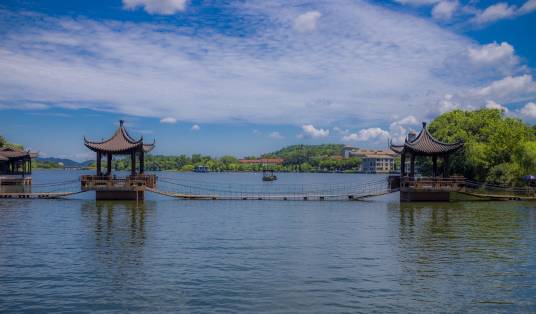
x=374, y=161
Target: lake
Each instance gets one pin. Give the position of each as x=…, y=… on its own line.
x=166, y=254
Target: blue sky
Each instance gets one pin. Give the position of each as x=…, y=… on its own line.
x=248, y=77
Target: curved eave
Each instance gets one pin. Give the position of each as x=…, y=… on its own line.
x=96, y=147
x=148, y=147
x=120, y=133
x=445, y=149
x=396, y=148
x=130, y=138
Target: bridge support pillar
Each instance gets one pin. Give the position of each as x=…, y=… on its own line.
x=120, y=195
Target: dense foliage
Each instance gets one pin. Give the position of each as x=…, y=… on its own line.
x=5, y=143
x=296, y=158
x=498, y=149
x=324, y=157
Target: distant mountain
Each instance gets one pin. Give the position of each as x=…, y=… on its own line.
x=65, y=162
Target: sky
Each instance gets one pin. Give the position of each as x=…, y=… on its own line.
x=249, y=77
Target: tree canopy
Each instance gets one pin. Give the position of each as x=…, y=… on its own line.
x=326, y=157
x=498, y=149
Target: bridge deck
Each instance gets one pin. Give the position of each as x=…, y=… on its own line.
x=498, y=197
x=44, y=195
x=271, y=197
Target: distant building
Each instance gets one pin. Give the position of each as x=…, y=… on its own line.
x=373, y=161
x=263, y=161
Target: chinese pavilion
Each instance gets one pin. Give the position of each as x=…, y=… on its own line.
x=15, y=166
x=426, y=188
x=111, y=187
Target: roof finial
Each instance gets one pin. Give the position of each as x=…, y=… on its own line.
x=121, y=123
x=424, y=125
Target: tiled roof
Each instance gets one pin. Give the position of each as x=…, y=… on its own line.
x=6, y=153
x=120, y=142
x=425, y=143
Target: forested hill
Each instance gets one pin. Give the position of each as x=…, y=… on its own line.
x=297, y=154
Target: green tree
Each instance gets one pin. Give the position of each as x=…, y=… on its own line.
x=497, y=148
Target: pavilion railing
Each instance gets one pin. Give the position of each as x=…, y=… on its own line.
x=453, y=183
x=139, y=181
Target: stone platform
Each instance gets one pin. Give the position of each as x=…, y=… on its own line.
x=130, y=188
x=429, y=189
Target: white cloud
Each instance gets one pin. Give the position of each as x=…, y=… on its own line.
x=490, y=104
x=144, y=69
x=510, y=88
x=529, y=110
x=275, y=136
x=313, y=132
x=24, y=106
x=169, y=120
x=365, y=135
x=417, y=2
x=164, y=7
x=306, y=22
x=409, y=120
x=448, y=104
x=196, y=127
x=502, y=11
x=528, y=7
x=340, y=130
x=444, y=10
x=495, y=12
x=492, y=53
x=399, y=129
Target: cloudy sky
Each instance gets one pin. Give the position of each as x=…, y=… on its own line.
x=247, y=77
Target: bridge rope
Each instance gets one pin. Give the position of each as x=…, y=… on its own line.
x=194, y=189
x=495, y=191
x=219, y=190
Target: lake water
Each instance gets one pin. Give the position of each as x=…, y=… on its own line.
x=167, y=255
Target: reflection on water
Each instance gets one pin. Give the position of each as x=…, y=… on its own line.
x=15, y=188
x=202, y=256
x=119, y=231
x=484, y=247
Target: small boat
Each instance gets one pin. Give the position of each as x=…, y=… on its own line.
x=201, y=169
x=268, y=175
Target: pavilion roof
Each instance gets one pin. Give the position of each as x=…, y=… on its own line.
x=7, y=153
x=425, y=144
x=120, y=142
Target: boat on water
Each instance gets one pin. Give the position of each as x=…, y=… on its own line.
x=201, y=169
x=268, y=175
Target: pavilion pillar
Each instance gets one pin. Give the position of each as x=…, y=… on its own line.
x=434, y=166
x=412, y=166
x=445, y=165
x=403, y=164
x=109, y=164
x=142, y=162
x=133, y=163
x=30, y=172
x=99, y=157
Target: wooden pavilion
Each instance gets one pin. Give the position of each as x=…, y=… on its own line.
x=15, y=166
x=110, y=187
x=436, y=187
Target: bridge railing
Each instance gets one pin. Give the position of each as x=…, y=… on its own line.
x=279, y=191
x=498, y=190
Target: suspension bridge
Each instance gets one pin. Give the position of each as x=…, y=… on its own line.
x=200, y=190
